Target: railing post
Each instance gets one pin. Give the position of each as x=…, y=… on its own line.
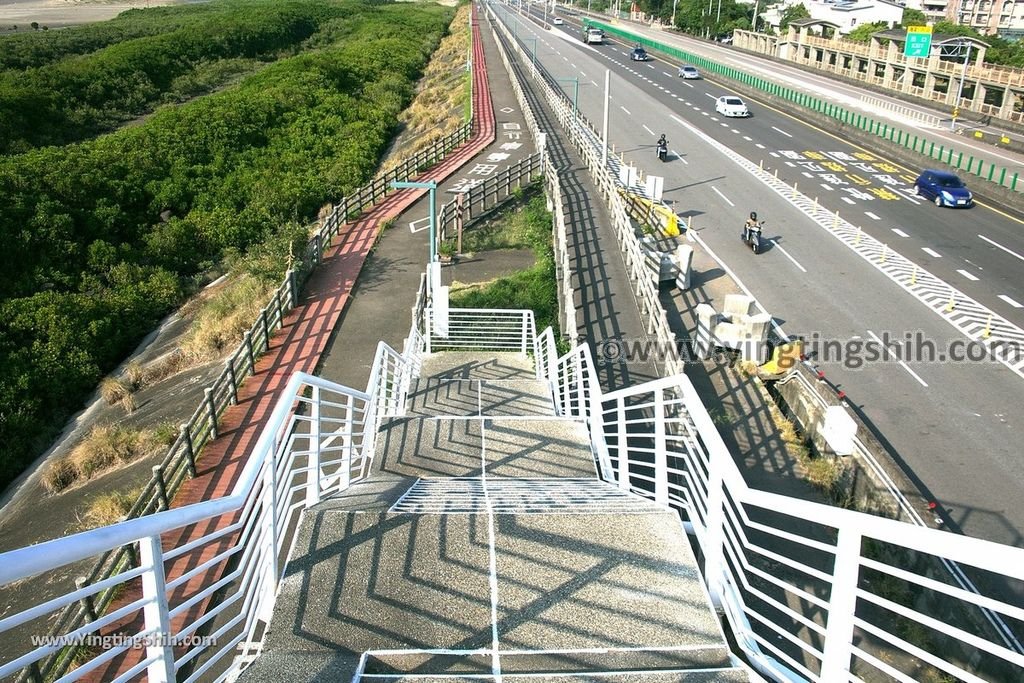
x=190, y=452
x=161, y=488
x=369, y=432
x=294, y=289
x=157, y=619
x=660, y=449
x=835, y=659
x=525, y=333
x=313, y=476
x=211, y=410
x=269, y=505
x=622, y=437
x=266, y=328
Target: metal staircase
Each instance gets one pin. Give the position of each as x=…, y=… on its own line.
x=484, y=545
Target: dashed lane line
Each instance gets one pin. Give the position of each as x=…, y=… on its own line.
x=931, y=252
x=902, y=363
x=967, y=274
x=1010, y=301
x=900, y=232
x=999, y=246
x=718, y=192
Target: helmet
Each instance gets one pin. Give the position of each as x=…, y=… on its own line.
x=753, y=215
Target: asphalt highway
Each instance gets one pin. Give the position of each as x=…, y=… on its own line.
x=953, y=424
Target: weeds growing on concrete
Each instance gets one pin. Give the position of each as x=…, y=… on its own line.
x=109, y=508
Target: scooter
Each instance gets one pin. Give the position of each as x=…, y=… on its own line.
x=663, y=151
x=752, y=236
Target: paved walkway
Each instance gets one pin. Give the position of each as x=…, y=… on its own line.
x=296, y=347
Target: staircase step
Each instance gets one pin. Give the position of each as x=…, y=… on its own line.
x=477, y=365
x=512, y=663
x=520, y=496
x=730, y=675
x=435, y=396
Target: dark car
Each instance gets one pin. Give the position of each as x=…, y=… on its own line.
x=943, y=188
x=639, y=54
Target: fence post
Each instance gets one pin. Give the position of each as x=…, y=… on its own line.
x=835, y=658
x=232, y=380
x=525, y=333
x=87, y=604
x=163, y=502
x=190, y=453
x=211, y=410
x=622, y=437
x=247, y=339
x=155, y=612
x=294, y=287
x=266, y=328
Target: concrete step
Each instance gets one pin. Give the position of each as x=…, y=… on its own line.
x=512, y=663
x=443, y=396
x=362, y=582
x=477, y=365
x=461, y=447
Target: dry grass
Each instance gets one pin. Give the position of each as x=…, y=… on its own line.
x=109, y=508
x=224, y=318
x=104, y=447
x=113, y=390
x=442, y=95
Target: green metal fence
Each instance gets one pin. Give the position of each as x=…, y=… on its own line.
x=988, y=171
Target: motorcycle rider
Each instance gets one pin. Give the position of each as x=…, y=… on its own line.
x=751, y=226
x=662, y=145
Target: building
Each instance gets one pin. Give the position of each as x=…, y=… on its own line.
x=992, y=17
x=846, y=14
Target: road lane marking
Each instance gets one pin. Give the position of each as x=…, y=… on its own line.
x=873, y=217
x=931, y=252
x=680, y=158
x=759, y=145
x=782, y=131
x=747, y=138
x=722, y=195
x=628, y=113
x=900, y=361
x=900, y=232
x=848, y=200
x=648, y=129
x=808, y=175
x=795, y=262
x=967, y=274
x=996, y=244
x=1011, y=301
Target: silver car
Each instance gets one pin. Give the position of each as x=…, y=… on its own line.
x=689, y=71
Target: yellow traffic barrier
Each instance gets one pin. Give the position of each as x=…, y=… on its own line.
x=987, y=332
x=885, y=252
x=952, y=303
x=913, y=276
x=857, y=239
x=784, y=358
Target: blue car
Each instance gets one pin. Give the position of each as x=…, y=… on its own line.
x=943, y=188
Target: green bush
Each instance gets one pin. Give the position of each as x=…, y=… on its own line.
x=104, y=237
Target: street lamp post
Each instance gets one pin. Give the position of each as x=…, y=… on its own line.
x=432, y=186
x=575, y=91
x=533, y=53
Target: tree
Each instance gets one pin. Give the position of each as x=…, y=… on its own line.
x=913, y=17
x=791, y=14
x=862, y=34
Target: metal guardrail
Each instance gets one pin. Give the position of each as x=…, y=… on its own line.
x=768, y=557
x=1000, y=175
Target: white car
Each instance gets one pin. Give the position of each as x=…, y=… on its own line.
x=557, y=21
x=689, y=71
x=730, y=105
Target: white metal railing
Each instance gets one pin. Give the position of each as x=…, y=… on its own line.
x=481, y=329
x=318, y=440
x=913, y=113
x=813, y=592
